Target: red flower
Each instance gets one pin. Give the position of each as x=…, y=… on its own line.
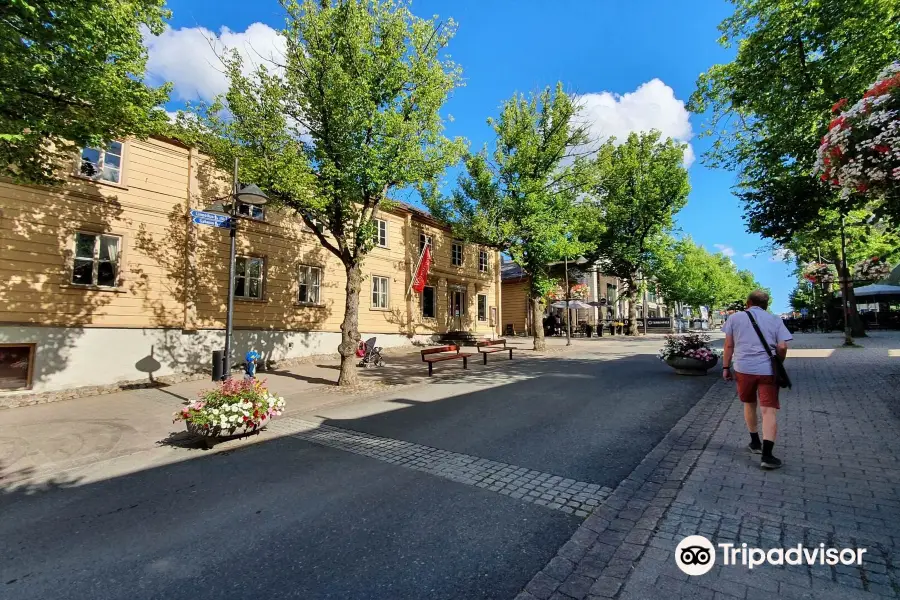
x=874, y=259
x=882, y=148
x=824, y=177
x=862, y=187
x=836, y=123
x=839, y=105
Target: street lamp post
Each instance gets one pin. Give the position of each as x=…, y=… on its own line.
x=248, y=194
x=568, y=315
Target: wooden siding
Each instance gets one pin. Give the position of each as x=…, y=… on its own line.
x=175, y=274
x=515, y=306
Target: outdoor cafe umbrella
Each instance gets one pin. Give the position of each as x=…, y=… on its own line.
x=875, y=290
x=574, y=305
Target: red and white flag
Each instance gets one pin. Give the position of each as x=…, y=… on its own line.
x=422, y=272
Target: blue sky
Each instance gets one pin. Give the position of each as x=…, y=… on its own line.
x=604, y=50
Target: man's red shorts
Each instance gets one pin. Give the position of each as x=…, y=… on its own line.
x=764, y=385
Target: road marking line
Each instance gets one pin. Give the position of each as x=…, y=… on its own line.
x=544, y=489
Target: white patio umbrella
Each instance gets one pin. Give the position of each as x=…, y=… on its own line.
x=573, y=305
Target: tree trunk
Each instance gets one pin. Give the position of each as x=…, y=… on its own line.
x=537, y=322
x=350, y=328
x=856, y=323
x=632, y=311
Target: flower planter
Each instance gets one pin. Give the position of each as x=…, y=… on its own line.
x=213, y=435
x=691, y=366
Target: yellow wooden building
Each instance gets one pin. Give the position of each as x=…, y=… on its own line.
x=107, y=279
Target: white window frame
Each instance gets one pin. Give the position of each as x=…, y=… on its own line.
x=311, y=287
x=250, y=208
x=483, y=261
x=381, y=297
x=101, y=166
x=247, y=279
x=481, y=317
x=433, y=302
x=426, y=240
x=96, y=260
x=457, y=246
x=381, y=233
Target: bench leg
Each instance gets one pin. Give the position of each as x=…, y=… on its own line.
x=485, y=357
x=430, y=368
x=510, y=354
x=465, y=362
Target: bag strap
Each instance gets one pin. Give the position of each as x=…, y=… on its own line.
x=759, y=333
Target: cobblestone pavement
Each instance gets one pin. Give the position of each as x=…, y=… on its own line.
x=544, y=489
x=838, y=435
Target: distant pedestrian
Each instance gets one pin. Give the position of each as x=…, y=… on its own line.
x=752, y=368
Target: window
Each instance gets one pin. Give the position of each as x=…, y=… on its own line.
x=252, y=211
x=16, y=366
x=482, y=307
x=379, y=292
x=651, y=294
x=310, y=282
x=103, y=165
x=248, y=277
x=457, y=254
x=429, y=304
x=610, y=293
x=482, y=261
x=96, y=259
x=426, y=240
x=381, y=233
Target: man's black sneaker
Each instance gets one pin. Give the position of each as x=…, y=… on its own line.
x=754, y=448
x=770, y=462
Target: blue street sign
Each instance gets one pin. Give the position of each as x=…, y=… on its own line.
x=200, y=217
x=804, y=311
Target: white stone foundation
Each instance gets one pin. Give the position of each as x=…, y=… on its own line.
x=71, y=357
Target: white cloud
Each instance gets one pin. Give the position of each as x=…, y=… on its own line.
x=781, y=255
x=749, y=255
x=726, y=250
x=189, y=57
x=652, y=105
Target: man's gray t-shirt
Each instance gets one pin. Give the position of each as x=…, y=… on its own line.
x=749, y=355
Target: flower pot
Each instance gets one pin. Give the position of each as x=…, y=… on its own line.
x=684, y=365
x=212, y=435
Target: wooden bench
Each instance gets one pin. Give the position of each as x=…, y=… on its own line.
x=490, y=346
x=433, y=355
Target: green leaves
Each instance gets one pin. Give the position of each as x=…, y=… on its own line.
x=520, y=196
x=351, y=114
x=73, y=75
x=638, y=188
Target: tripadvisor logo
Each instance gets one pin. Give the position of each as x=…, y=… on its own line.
x=696, y=555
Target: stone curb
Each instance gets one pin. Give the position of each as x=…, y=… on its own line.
x=601, y=554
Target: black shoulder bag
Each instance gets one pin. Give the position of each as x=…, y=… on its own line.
x=781, y=376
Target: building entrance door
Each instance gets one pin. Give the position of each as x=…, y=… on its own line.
x=457, y=310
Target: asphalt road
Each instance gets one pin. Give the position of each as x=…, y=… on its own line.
x=288, y=519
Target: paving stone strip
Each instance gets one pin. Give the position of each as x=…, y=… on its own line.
x=599, y=557
x=573, y=497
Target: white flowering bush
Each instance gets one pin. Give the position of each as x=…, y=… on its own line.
x=688, y=346
x=861, y=151
x=233, y=404
x=819, y=272
x=871, y=269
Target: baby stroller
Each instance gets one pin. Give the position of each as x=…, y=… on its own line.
x=369, y=354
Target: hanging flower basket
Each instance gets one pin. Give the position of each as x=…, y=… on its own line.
x=819, y=273
x=871, y=269
x=861, y=151
x=233, y=409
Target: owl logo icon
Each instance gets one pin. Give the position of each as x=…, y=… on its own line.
x=695, y=555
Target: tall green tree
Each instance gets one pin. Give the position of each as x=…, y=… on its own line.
x=769, y=108
x=354, y=117
x=73, y=76
x=639, y=187
x=519, y=197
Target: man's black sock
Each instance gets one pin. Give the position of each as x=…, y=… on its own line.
x=754, y=438
x=767, y=447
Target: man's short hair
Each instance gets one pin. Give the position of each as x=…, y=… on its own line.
x=758, y=298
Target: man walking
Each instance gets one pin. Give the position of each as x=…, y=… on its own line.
x=746, y=360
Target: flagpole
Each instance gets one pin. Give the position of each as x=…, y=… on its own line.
x=416, y=269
